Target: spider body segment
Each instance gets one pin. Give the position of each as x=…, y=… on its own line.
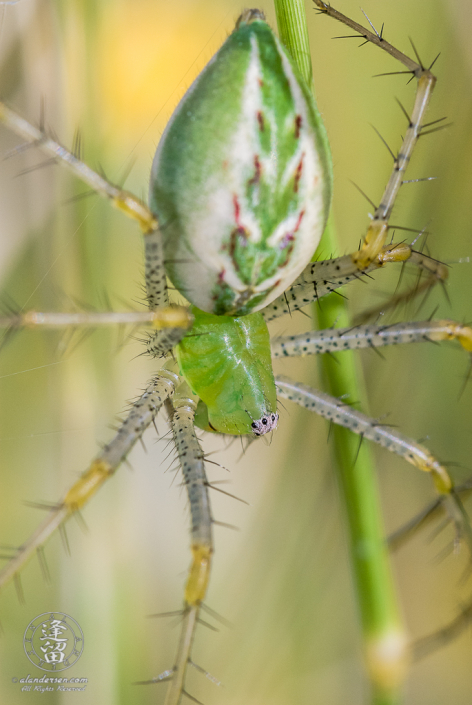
x=241, y=179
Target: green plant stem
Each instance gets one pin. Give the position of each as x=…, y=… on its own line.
x=384, y=642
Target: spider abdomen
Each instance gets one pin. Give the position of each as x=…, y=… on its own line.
x=241, y=179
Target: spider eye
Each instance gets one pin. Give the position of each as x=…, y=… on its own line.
x=264, y=421
x=273, y=417
x=253, y=425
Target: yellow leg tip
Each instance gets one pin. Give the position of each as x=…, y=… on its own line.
x=173, y=317
x=464, y=336
x=199, y=575
x=441, y=478
x=399, y=252
x=372, y=245
x=87, y=485
x=137, y=209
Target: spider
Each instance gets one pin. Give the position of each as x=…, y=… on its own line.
x=74, y=550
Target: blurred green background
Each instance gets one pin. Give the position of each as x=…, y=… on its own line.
x=115, y=71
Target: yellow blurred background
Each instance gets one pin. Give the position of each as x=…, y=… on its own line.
x=113, y=71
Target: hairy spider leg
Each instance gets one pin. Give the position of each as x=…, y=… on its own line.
x=377, y=231
x=173, y=329
x=141, y=415
x=416, y=454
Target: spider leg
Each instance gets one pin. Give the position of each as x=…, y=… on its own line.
x=416, y=454
x=179, y=319
x=156, y=292
x=426, y=645
x=169, y=317
x=369, y=336
x=192, y=463
x=141, y=415
x=123, y=200
x=336, y=340
x=377, y=231
x=321, y=278
x=170, y=324
x=428, y=514
x=431, y=642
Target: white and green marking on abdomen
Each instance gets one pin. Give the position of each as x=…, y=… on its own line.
x=241, y=180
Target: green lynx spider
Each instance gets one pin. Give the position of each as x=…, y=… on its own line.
x=175, y=318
